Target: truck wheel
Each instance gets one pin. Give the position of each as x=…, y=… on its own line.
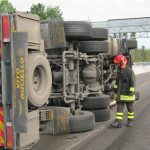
x=101, y=114
x=77, y=29
x=132, y=44
x=99, y=34
x=93, y=47
x=83, y=122
x=96, y=102
x=110, y=94
x=39, y=79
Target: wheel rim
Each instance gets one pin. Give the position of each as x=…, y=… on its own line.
x=39, y=80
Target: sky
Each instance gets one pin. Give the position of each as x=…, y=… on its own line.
x=93, y=10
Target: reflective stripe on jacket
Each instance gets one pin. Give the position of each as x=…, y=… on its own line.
x=126, y=98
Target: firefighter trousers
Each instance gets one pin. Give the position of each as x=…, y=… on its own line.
x=120, y=106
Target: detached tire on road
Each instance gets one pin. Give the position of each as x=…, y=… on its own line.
x=102, y=101
x=101, y=114
x=77, y=29
x=83, y=122
x=93, y=47
x=39, y=79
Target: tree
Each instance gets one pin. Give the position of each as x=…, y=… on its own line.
x=142, y=54
x=46, y=13
x=125, y=35
x=39, y=10
x=133, y=35
x=6, y=6
x=115, y=35
x=120, y=35
x=53, y=12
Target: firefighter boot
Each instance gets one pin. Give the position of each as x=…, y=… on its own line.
x=130, y=123
x=116, y=125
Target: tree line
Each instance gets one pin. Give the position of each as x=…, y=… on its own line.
x=39, y=9
x=142, y=54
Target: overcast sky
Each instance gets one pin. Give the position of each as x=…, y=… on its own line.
x=92, y=10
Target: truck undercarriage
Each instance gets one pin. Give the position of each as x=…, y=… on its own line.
x=57, y=76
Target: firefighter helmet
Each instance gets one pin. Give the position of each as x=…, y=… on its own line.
x=120, y=59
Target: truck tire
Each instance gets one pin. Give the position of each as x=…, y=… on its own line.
x=132, y=44
x=93, y=47
x=99, y=34
x=39, y=79
x=101, y=114
x=110, y=94
x=83, y=122
x=77, y=29
x=96, y=102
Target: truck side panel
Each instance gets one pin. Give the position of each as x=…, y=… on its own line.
x=14, y=47
x=20, y=48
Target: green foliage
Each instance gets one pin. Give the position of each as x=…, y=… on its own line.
x=120, y=35
x=125, y=35
x=6, y=6
x=46, y=13
x=39, y=10
x=133, y=35
x=142, y=55
x=115, y=35
x=53, y=12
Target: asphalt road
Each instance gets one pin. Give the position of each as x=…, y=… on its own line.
x=105, y=137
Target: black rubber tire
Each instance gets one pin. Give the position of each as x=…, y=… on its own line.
x=96, y=102
x=110, y=94
x=99, y=34
x=83, y=122
x=137, y=95
x=39, y=79
x=77, y=29
x=132, y=44
x=93, y=47
x=101, y=114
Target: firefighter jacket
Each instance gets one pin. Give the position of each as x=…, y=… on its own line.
x=125, y=85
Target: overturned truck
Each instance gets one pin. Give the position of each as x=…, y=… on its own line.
x=57, y=76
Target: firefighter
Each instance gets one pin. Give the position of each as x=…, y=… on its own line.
x=124, y=91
